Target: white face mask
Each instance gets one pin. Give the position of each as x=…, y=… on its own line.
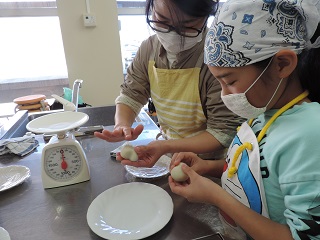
x=171, y=41
x=239, y=104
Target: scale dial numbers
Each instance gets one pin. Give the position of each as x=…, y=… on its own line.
x=62, y=163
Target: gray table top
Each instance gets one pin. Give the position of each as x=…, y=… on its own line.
x=29, y=211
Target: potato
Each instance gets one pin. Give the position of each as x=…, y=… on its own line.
x=177, y=174
x=127, y=152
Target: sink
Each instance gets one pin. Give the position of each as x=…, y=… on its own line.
x=98, y=116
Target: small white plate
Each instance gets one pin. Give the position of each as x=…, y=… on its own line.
x=4, y=235
x=11, y=176
x=160, y=169
x=130, y=211
x=57, y=122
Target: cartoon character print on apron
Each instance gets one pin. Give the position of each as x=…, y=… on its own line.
x=242, y=179
x=175, y=94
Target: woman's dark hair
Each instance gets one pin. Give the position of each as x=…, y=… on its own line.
x=309, y=69
x=193, y=8
x=197, y=8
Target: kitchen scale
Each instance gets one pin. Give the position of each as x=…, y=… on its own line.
x=63, y=160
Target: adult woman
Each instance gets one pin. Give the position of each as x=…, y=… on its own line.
x=169, y=68
x=266, y=57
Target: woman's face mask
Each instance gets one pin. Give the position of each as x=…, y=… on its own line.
x=171, y=41
x=239, y=104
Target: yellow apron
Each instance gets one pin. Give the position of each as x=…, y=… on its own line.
x=175, y=94
x=241, y=177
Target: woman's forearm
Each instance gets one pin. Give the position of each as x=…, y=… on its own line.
x=201, y=143
x=124, y=115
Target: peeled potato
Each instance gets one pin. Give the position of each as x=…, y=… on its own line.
x=128, y=152
x=177, y=174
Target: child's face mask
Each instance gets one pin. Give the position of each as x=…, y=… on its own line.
x=239, y=104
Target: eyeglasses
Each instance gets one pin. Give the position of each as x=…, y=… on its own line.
x=159, y=26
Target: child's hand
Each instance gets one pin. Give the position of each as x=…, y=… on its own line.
x=196, y=188
x=191, y=159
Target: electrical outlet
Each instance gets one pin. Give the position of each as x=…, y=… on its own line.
x=89, y=20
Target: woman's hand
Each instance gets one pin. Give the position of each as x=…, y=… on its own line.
x=148, y=155
x=196, y=188
x=120, y=133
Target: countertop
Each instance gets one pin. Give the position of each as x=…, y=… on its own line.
x=29, y=211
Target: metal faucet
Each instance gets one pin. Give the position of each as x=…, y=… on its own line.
x=75, y=92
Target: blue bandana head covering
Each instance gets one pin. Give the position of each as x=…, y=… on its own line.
x=249, y=31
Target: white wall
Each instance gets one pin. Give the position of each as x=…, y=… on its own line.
x=92, y=54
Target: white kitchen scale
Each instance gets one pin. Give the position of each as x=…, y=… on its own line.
x=63, y=160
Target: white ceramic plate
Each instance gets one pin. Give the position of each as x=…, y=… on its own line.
x=160, y=169
x=130, y=211
x=57, y=122
x=4, y=235
x=11, y=176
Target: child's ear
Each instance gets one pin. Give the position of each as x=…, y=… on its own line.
x=286, y=61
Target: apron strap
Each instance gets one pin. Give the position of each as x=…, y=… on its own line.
x=233, y=169
x=154, y=50
x=200, y=60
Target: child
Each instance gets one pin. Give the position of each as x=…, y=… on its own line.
x=266, y=56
